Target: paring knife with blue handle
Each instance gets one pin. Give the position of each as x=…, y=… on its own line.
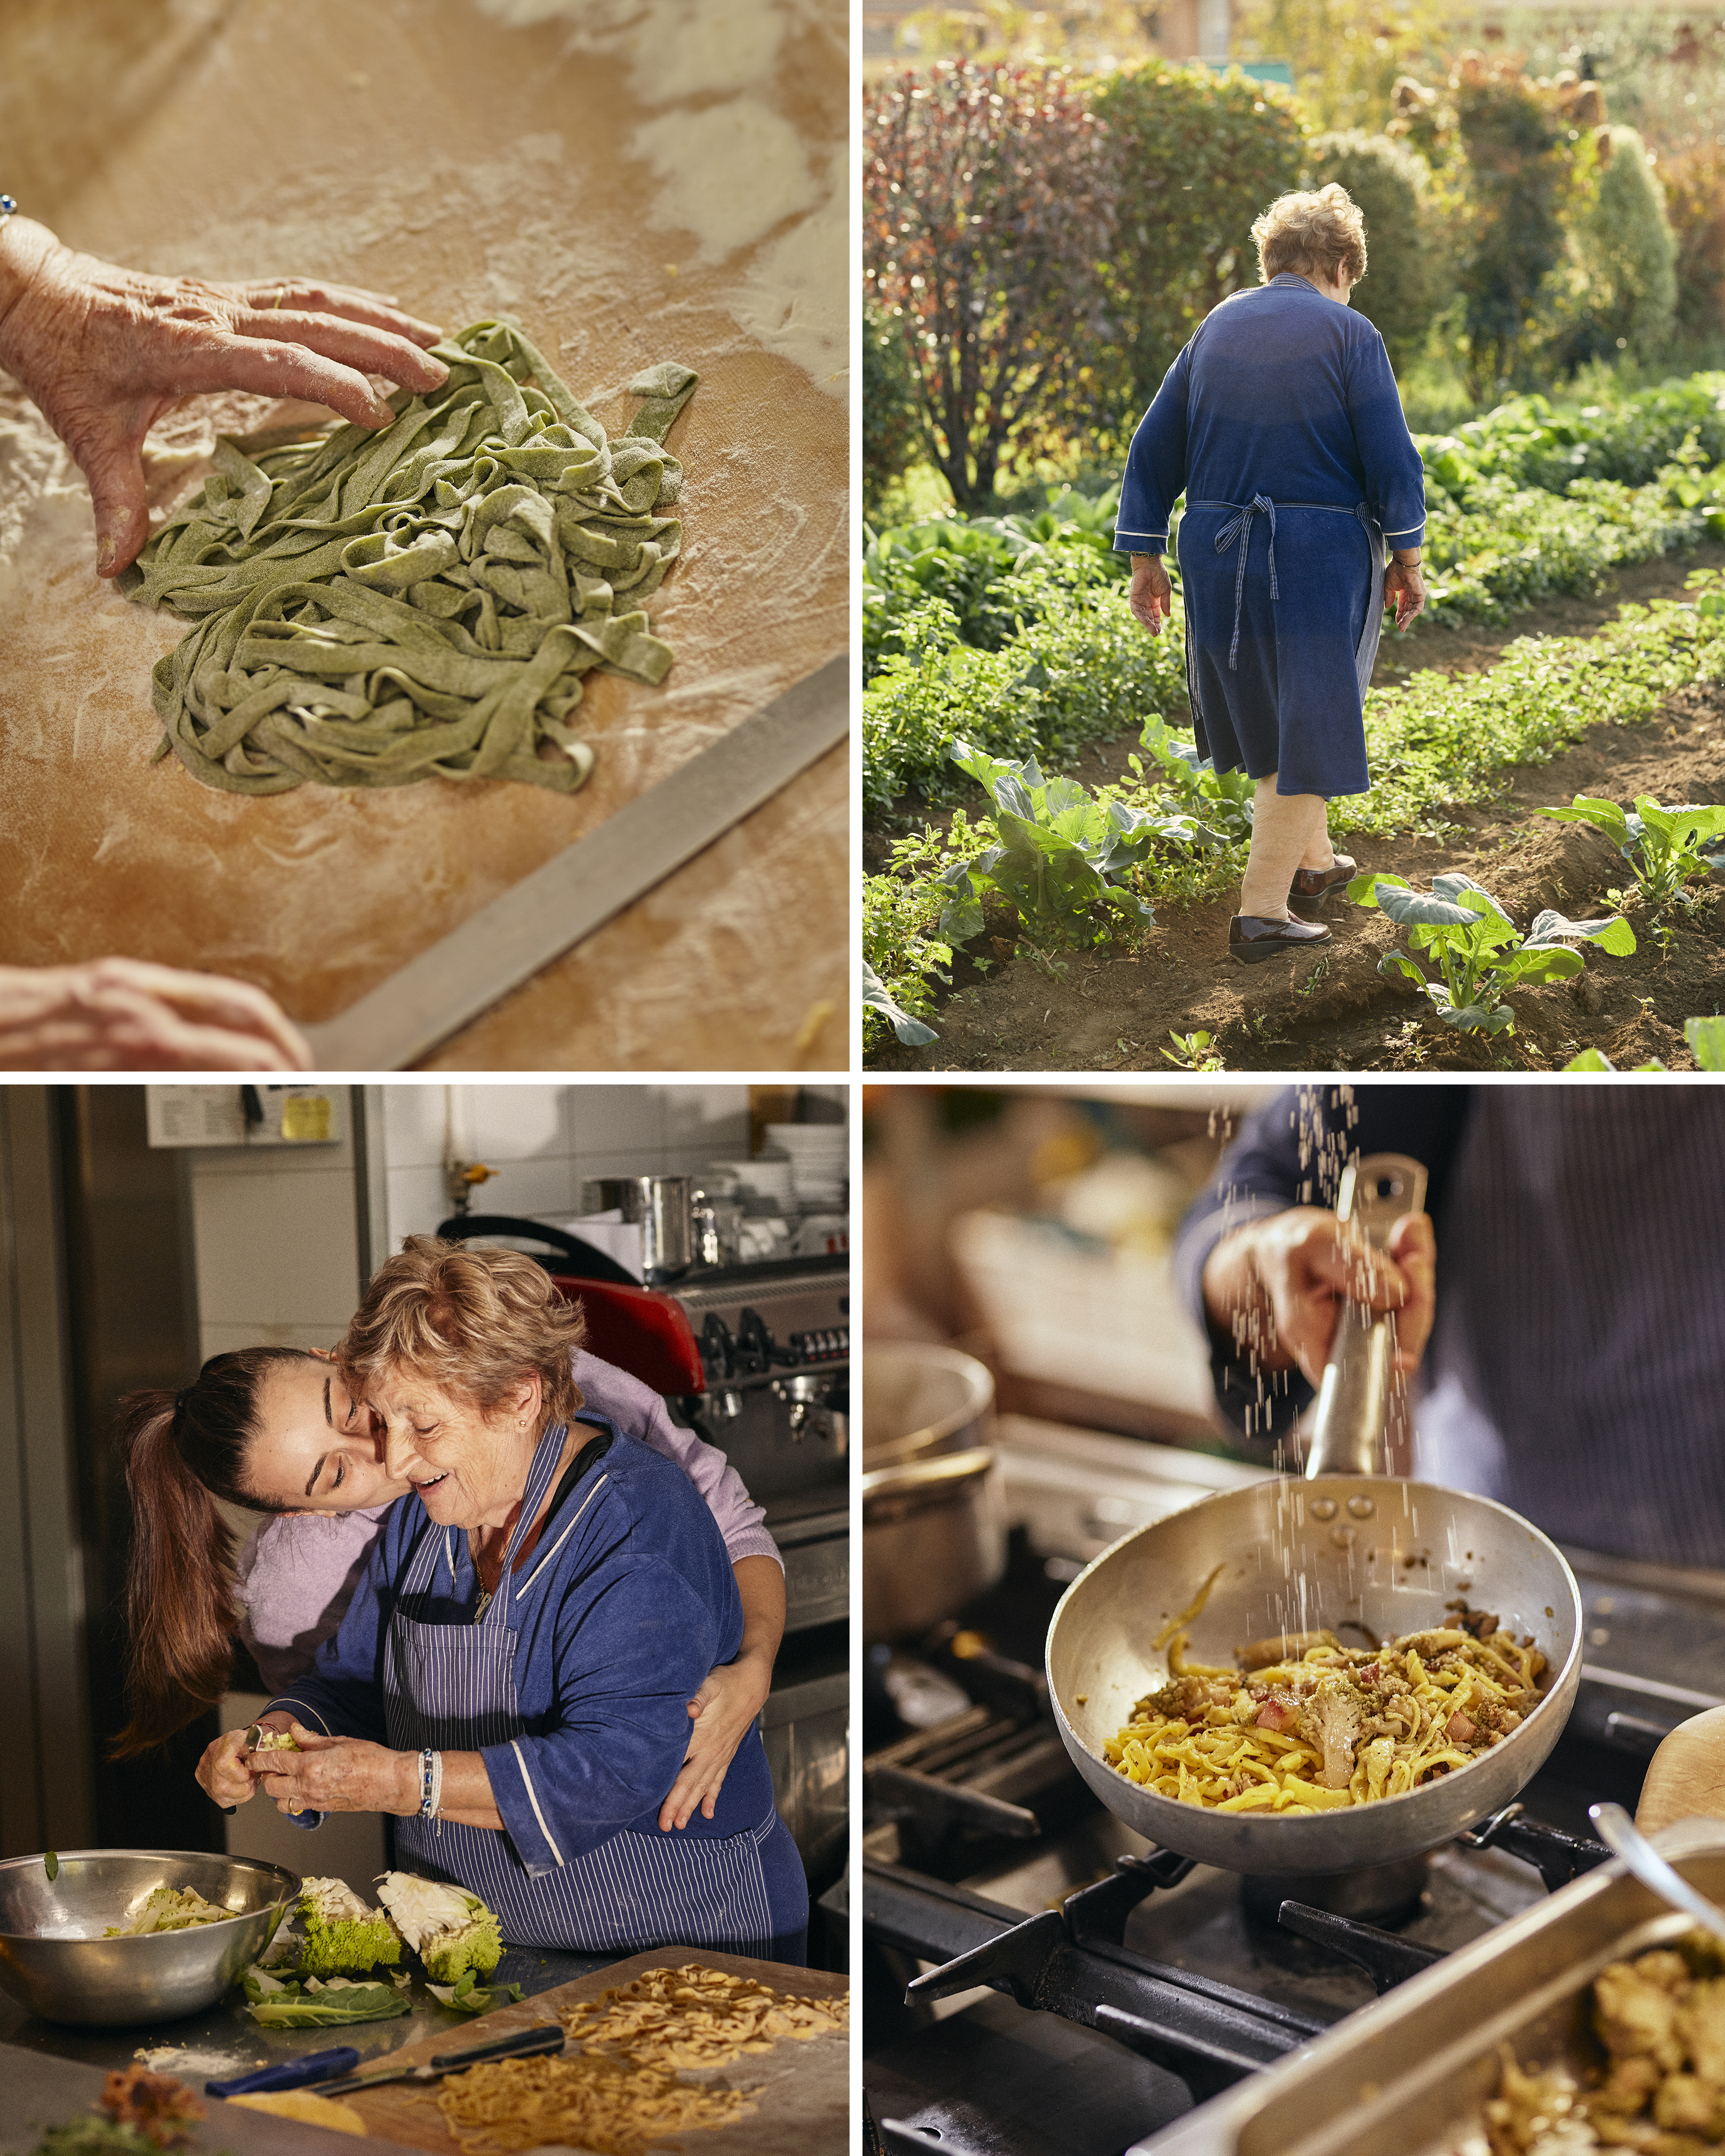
x=292, y=2073
x=545, y=2036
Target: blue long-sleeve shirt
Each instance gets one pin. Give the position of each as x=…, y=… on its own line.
x=625, y=1616
x=1576, y=1370
x=1277, y=391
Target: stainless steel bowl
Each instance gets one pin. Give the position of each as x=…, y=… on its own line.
x=55, y=1961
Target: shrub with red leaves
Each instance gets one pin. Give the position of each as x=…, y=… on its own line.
x=988, y=207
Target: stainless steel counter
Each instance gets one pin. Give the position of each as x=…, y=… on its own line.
x=223, y=2040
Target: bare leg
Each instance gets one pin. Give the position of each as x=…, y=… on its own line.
x=1289, y=831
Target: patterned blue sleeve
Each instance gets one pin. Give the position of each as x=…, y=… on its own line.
x=633, y=1643
x=1155, y=467
x=1291, y=1151
x=1395, y=477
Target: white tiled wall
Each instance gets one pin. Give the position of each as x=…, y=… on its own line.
x=544, y=1141
x=277, y=1244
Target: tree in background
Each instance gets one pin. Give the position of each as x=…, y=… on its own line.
x=987, y=205
x=1345, y=57
x=1198, y=156
x=892, y=438
x=1403, y=284
x=1625, y=255
x=1694, y=182
x=1519, y=142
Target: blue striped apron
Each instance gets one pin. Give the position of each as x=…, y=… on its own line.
x=452, y=1687
x=1237, y=532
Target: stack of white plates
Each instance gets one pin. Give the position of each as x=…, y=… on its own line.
x=819, y=1159
x=769, y=1180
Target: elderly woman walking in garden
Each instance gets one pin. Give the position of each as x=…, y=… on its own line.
x=1281, y=422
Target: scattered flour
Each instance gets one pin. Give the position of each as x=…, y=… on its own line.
x=757, y=191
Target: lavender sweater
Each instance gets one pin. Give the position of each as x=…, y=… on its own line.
x=298, y=1572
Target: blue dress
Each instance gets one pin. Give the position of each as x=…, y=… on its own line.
x=1281, y=422
x=573, y=1685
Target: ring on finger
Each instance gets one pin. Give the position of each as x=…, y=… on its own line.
x=295, y=1806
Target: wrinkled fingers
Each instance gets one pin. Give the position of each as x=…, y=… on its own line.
x=351, y=302
x=274, y=367
x=359, y=345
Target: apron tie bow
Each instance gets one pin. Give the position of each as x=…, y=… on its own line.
x=1239, y=530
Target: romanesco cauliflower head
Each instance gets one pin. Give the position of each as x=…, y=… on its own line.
x=341, y=1932
x=450, y=1930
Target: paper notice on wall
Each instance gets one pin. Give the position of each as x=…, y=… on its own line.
x=244, y=1115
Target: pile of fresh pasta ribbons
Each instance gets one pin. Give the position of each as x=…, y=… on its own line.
x=1304, y=1724
x=377, y=607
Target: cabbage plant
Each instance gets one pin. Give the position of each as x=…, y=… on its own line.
x=1665, y=847
x=1478, y=952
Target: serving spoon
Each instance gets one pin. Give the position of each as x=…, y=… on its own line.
x=1620, y=1833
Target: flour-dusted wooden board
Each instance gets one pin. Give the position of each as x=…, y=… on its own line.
x=803, y=2090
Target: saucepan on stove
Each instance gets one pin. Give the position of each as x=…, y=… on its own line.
x=934, y=1524
x=1368, y=1557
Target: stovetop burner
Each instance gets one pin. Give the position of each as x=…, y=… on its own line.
x=999, y=1895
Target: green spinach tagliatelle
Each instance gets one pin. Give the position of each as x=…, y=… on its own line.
x=378, y=607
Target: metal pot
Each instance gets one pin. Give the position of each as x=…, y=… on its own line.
x=1345, y=1548
x=918, y=1399
x=934, y=1534
x=663, y=1205
x=54, y=1959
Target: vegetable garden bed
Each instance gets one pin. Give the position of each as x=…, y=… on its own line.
x=1118, y=1007
x=1017, y=926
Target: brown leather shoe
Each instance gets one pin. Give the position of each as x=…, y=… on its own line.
x=1319, y=883
x=1252, y=939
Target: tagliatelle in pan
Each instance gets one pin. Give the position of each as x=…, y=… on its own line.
x=1304, y=1724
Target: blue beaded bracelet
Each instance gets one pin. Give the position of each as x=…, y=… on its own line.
x=426, y=1759
x=9, y=206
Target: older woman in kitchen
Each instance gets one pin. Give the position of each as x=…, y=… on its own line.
x=512, y=1677
x=1281, y=423
x=278, y=1430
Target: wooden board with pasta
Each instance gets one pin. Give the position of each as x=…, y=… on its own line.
x=788, y=2094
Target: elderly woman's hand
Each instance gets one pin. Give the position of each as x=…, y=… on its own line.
x=339, y=1774
x=124, y=1015
x=1151, y=595
x=222, y=1774
x=105, y=351
x=1404, y=589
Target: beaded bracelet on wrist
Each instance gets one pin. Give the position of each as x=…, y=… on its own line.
x=9, y=206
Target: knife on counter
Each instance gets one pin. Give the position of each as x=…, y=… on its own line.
x=332, y=2073
x=544, y=2037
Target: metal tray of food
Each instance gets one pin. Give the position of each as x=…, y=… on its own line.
x=1412, y=2071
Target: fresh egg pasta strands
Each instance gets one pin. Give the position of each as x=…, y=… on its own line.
x=1313, y=1725
x=377, y=607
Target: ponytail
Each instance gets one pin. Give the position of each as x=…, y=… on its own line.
x=182, y=1452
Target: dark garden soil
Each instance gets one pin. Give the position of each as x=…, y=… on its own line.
x=1333, y=1011
x=1115, y=1009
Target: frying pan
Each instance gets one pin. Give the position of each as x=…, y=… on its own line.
x=1336, y=1549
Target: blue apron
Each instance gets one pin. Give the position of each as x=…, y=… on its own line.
x=1296, y=705
x=452, y=1687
